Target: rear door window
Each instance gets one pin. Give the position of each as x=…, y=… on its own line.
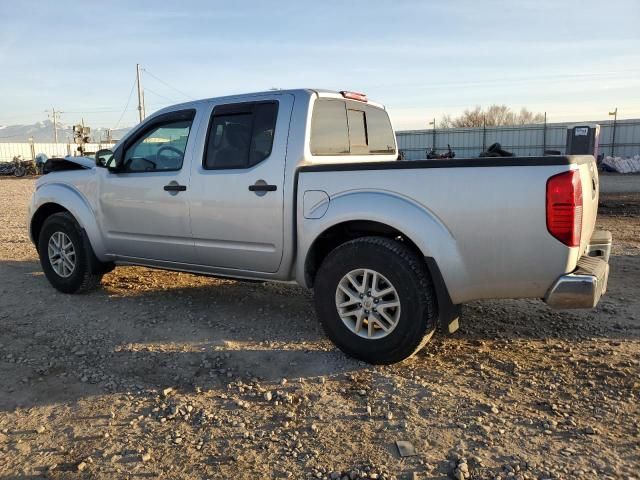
x=341, y=127
x=240, y=135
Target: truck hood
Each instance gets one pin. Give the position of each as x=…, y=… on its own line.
x=68, y=163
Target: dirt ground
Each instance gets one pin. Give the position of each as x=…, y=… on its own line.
x=170, y=375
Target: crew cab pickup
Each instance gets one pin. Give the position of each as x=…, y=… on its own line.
x=306, y=186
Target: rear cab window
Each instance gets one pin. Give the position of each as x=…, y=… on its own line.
x=346, y=127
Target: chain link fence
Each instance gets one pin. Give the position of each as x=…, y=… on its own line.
x=466, y=142
x=522, y=140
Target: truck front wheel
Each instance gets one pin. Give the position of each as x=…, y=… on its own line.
x=375, y=300
x=66, y=256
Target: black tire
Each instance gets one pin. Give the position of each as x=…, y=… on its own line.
x=407, y=272
x=87, y=272
x=20, y=171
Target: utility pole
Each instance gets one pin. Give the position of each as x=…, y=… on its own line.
x=141, y=111
x=54, y=114
x=613, y=134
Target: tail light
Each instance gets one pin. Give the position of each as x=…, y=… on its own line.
x=564, y=207
x=361, y=97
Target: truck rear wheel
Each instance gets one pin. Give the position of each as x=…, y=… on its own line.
x=66, y=256
x=375, y=300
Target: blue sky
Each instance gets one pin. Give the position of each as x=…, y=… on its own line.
x=575, y=60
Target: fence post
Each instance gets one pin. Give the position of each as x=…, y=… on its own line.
x=32, y=148
x=434, y=134
x=484, y=133
x=544, y=134
x=613, y=134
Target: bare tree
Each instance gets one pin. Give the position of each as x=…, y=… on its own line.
x=495, y=115
x=526, y=117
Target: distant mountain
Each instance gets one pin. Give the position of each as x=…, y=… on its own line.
x=42, y=132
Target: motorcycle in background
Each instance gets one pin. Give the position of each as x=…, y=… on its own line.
x=18, y=167
x=432, y=154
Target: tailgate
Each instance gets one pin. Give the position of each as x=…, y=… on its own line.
x=590, y=193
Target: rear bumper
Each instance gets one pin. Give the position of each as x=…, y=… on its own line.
x=583, y=287
x=600, y=245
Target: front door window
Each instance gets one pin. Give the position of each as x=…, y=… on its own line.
x=159, y=150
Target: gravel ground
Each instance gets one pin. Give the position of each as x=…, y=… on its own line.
x=170, y=375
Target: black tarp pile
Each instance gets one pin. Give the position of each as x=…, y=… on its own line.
x=496, y=150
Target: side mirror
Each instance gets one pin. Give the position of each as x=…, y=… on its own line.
x=109, y=159
x=104, y=158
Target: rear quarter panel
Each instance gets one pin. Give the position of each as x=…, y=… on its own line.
x=484, y=226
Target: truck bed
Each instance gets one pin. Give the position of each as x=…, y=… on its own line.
x=482, y=219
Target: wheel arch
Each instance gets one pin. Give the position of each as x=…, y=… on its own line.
x=40, y=216
x=339, y=233
x=358, y=213
x=343, y=232
x=56, y=198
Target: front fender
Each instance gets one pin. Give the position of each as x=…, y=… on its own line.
x=77, y=204
x=413, y=220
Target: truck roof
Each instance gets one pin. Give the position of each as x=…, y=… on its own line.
x=320, y=92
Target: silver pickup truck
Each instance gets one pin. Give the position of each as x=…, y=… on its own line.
x=305, y=185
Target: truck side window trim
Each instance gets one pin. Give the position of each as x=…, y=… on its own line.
x=240, y=122
x=358, y=137
x=164, y=119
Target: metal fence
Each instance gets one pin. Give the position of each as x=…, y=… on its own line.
x=466, y=142
x=522, y=140
x=28, y=151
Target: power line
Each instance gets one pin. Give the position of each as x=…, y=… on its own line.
x=147, y=89
x=167, y=85
x=133, y=85
x=93, y=111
